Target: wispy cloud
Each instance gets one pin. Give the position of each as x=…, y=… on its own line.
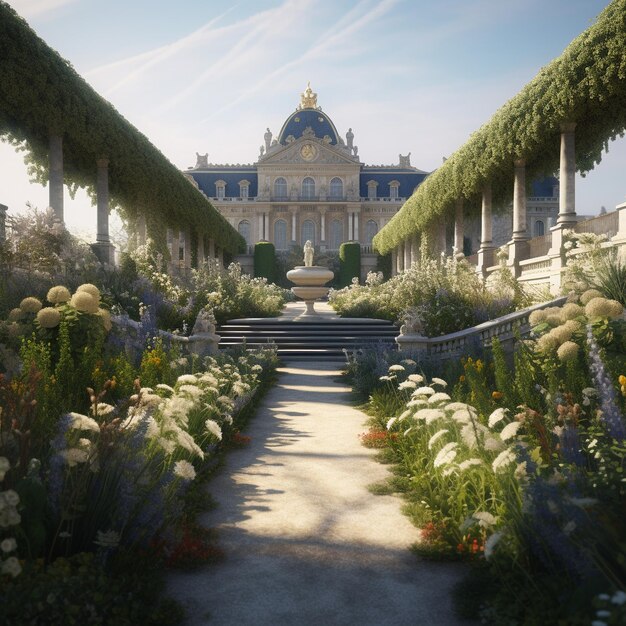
x=36, y=8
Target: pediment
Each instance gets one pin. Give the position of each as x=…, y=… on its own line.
x=308, y=151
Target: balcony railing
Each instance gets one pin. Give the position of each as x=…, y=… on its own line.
x=602, y=225
x=539, y=246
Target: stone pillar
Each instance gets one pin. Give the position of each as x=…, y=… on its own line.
x=357, y=235
x=187, y=248
x=211, y=248
x=294, y=236
x=261, y=226
x=458, y=226
x=394, y=262
x=407, y=254
x=567, y=177
x=103, y=248
x=142, y=235
x=220, y=257
x=401, y=258
x=266, y=226
x=350, y=227
x=441, y=237
x=200, y=250
x=55, y=167
x=415, y=250
x=518, y=246
x=486, y=250
x=323, y=225
x=3, y=221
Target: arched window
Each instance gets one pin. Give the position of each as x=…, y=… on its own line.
x=308, y=188
x=280, y=188
x=244, y=230
x=336, y=189
x=394, y=187
x=308, y=232
x=336, y=234
x=371, y=228
x=540, y=229
x=280, y=234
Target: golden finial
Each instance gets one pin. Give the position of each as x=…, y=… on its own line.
x=308, y=99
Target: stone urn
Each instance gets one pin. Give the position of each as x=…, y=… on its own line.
x=310, y=281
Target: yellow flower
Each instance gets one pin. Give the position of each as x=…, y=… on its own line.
x=497, y=395
x=30, y=305
x=622, y=379
x=48, y=317
x=58, y=294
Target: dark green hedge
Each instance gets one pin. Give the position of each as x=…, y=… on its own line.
x=585, y=85
x=41, y=94
x=265, y=260
x=349, y=262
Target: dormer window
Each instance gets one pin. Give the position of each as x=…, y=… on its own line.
x=394, y=187
x=244, y=189
x=220, y=189
x=372, y=189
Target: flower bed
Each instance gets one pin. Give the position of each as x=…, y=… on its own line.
x=521, y=471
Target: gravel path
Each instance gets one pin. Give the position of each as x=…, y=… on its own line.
x=305, y=541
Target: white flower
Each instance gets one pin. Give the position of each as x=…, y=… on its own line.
x=446, y=455
x=83, y=422
x=436, y=436
x=429, y=415
x=451, y=469
x=214, y=428
x=458, y=406
x=187, y=379
x=109, y=539
x=8, y=545
x=74, y=456
x=438, y=397
x=510, y=430
x=462, y=416
x=390, y=422
x=497, y=416
x=185, y=470
x=423, y=391
x=164, y=387
x=503, y=460
x=491, y=543
x=416, y=378
x=570, y=527
x=11, y=566
x=485, y=519
x=619, y=598
x=469, y=463
x=101, y=408
x=396, y=368
x=408, y=362
x=492, y=444
x=191, y=390
x=407, y=384
x=439, y=381
x=471, y=434
x=11, y=497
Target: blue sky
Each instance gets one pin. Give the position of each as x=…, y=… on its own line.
x=405, y=75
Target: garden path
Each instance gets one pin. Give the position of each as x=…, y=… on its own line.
x=305, y=541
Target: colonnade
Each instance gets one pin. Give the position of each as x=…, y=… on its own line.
x=518, y=248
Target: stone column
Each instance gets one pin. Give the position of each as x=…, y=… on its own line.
x=200, y=250
x=401, y=258
x=220, y=257
x=142, y=234
x=350, y=227
x=518, y=246
x=567, y=177
x=323, y=225
x=266, y=227
x=211, y=248
x=415, y=250
x=394, y=262
x=103, y=248
x=486, y=250
x=187, y=248
x=458, y=226
x=55, y=168
x=261, y=226
x=407, y=254
x=294, y=236
x=3, y=221
x=357, y=235
x=441, y=237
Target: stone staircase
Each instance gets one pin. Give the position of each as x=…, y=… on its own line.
x=298, y=339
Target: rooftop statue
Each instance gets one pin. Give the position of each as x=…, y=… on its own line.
x=202, y=160
x=405, y=161
x=349, y=138
x=308, y=99
x=308, y=254
x=268, y=139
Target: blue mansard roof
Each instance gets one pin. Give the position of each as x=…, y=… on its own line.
x=231, y=175
x=409, y=179
x=544, y=187
x=299, y=121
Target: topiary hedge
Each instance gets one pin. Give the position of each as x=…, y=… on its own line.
x=265, y=261
x=349, y=262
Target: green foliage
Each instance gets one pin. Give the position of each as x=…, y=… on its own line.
x=265, y=261
x=349, y=262
x=610, y=278
x=584, y=85
x=43, y=95
x=383, y=264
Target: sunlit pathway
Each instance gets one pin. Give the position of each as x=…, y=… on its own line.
x=305, y=541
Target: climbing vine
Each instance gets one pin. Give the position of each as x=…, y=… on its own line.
x=43, y=95
x=585, y=85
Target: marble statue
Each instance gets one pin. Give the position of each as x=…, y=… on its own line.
x=308, y=254
x=349, y=138
x=202, y=160
x=405, y=161
x=205, y=322
x=261, y=150
x=268, y=139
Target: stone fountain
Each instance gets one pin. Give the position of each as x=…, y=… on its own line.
x=310, y=280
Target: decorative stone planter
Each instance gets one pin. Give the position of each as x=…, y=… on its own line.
x=310, y=281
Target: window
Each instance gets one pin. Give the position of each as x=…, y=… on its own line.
x=308, y=188
x=308, y=232
x=336, y=189
x=244, y=230
x=280, y=234
x=372, y=187
x=220, y=189
x=394, y=186
x=244, y=188
x=539, y=228
x=336, y=234
x=371, y=228
x=280, y=188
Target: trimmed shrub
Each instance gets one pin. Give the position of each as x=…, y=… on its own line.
x=265, y=260
x=349, y=262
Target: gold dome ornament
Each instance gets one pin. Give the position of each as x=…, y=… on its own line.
x=308, y=152
x=308, y=99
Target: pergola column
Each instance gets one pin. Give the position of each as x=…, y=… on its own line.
x=394, y=262
x=55, y=180
x=485, y=252
x=459, y=230
x=400, y=258
x=415, y=250
x=518, y=246
x=407, y=254
x=220, y=257
x=567, y=177
x=187, y=248
x=200, y=250
x=103, y=248
x=142, y=234
x=211, y=248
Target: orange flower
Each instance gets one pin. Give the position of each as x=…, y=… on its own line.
x=497, y=395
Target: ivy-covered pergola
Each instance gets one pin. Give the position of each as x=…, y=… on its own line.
x=577, y=102
x=72, y=135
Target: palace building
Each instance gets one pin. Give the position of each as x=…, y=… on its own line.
x=308, y=183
